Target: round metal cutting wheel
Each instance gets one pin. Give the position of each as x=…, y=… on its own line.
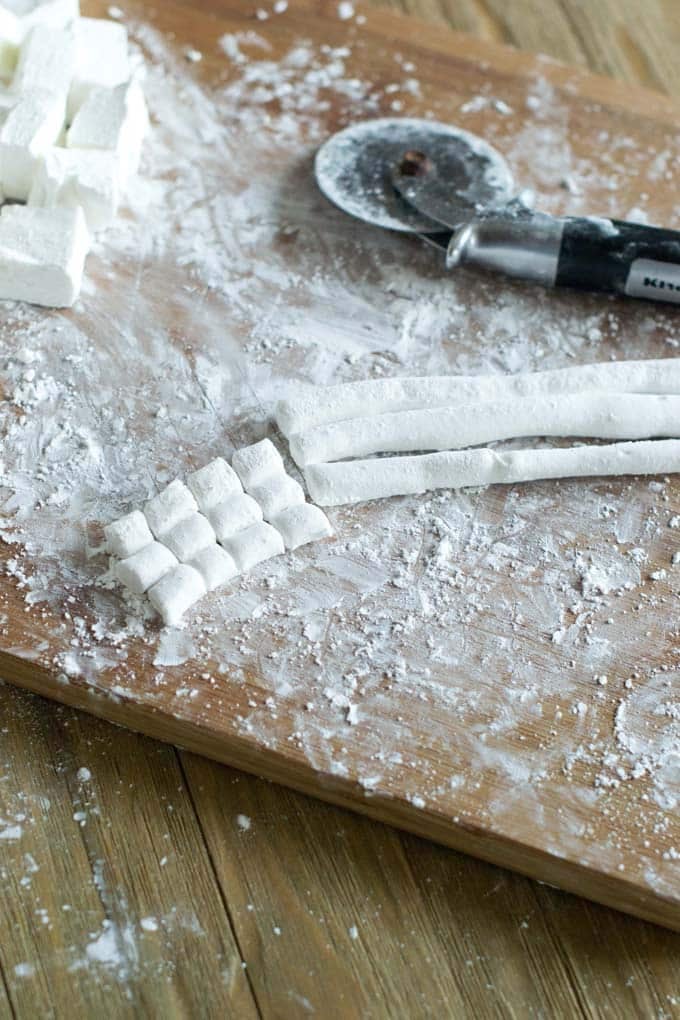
x=354, y=169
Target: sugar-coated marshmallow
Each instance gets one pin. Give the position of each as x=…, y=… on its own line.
x=301, y=524
x=236, y=513
x=42, y=254
x=30, y=128
x=166, y=509
x=176, y=592
x=11, y=34
x=255, y=464
x=257, y=543
x=78, y=177
x=215, y=566
x=101, y=59
x=139, y=571
x=115, y=119
x=47, y=61
x=128, y=534
x=213, y=483
x=277, y=493
x=189, y=536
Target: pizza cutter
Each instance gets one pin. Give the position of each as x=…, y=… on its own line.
x=456, y=192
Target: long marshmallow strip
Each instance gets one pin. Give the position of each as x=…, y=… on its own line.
x=351, y=400
x=586, y=415
x=360, y=480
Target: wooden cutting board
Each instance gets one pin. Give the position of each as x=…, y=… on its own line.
x=496, y=670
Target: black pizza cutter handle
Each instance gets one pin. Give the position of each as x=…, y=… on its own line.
x=588, y=252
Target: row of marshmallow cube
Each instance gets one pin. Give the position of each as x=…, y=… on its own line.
x=171, y=551
x=72, y=122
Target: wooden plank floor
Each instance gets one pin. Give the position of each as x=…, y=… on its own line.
x=142, y=881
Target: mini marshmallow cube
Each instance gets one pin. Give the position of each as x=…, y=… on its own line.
x=301, y=524
x=47, y=61
x=128, y=534
x=235, y=514
x=255, y=464
x=42, y=254
x=139, y=571
x=277, y=493
x=115, y=119
x=101, y=59
x=189, y=536
x=168, y=508
x=176, y=592
x=215, y=566
x=75, y=177
x=213, y=484
x=257, y=543
x=31, y=127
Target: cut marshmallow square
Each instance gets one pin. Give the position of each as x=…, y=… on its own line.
x=139, y=571
x=301, y=524
x=47, y=61
x=255, y=464
x=189, y=536
x=277, y=493
x=213, y=484
x=235, y=514
x=176, y=592
x=128, y=534
x=215, y=566
x=42, y=254
x=257, y=543
x=168, y=508
x=101, y=59
x=115, y=119
x=31, y=127
x=75, y=177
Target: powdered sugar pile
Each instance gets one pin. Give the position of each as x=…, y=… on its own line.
x=441, y=643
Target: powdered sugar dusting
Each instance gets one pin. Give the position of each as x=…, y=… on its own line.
x=440, y=644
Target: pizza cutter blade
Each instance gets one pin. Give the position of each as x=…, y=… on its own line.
x=355, y=168
x=455, y=191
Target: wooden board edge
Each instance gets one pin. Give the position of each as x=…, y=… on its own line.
x=598, y=88
x=569, y=876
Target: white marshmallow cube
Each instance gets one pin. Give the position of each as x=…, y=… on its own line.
x=176, y=592
x=42, y=254
x=189, y=536
x=74, y=177
x=141, y=570
x=255, y=464
x=257, y=543
x=115, y=119
x=128, y=534
x=277, y=493
x=101, y=59
x=47, y=60
x=301, y=524
x=235, y=514
x=11, y=34
x=53, y=13
x=213, y=484
x=168, y=508
x=31, y=127
x=215, y=566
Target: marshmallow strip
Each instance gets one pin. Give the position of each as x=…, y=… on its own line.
x=321, y=405
x=360, y=480
x=587, y=415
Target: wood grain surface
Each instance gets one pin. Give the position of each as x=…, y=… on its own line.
x=159, y=883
